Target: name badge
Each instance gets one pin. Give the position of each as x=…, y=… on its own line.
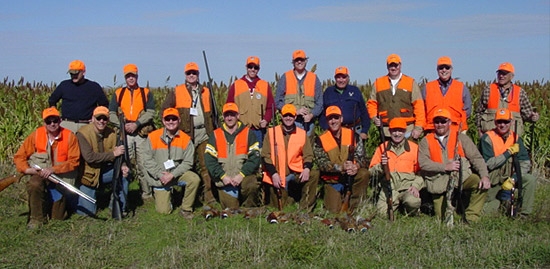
x=169, y=164
x=193, y=111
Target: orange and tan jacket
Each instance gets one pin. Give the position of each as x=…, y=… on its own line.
x=337, y=154
x=250, y=107
x=232, y=156
x=292, y=95
x=287, y=157
x=402, y=163
x=452, y=101
x=132, y=102
x=499, y=145
x=406, y=103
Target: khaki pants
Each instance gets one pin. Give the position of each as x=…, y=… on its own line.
x=73, y=126
x=474, y=205
x=207, y=195
x=405, y=199
x=40, y=205
x=333, y=199
x=163, y=195
x=528, y=196
x=247, y=193
x=305, y=193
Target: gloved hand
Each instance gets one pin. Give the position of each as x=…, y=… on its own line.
x=514, y=149
x=508, y=184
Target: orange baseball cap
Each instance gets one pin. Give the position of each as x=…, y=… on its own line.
x=130, y=68
x=333, y=110
x=506, y=67
x=76, y=66
x=288, y=109
x=230, y=107
x=253, y=60
x=298, y=54
x=442, y=112
x=50, y=111
x=400, y=123
x=393, y=58
x=170, y=112
x=445, y=60
x=191, y=66
x=101, y=110
x=341, y=70
x=503, y=114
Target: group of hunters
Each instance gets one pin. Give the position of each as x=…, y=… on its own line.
x=424, y=132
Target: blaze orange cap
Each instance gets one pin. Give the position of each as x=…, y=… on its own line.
x=445, y=60
x=170, y=112
x=506, y=67
x=400, y=123
x=101, y=110
x=341, y=70
x=333, y=110
x=76, y=66
x=298, y=54
x=393, y=58
x=288, y=109
x=230, y=107
x=191, y=66
x=130, y=68
x=503, y=114
x=253, y=60
x=50, y=111
x=442, y=112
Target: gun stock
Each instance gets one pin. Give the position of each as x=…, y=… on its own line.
x=387, y=176
x=7, y=181
x=213, y=107
x=515, y=203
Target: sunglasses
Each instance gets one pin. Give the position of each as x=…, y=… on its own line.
x=502, y=122
x=253, y=66
x=299, y=60
x=192, y=73
x=49, y=121
x=444, y=67
x=441, y=121
x=393, y=65
x=502, y=73
x=170, y=118
x=102, y=118
x=333, y=117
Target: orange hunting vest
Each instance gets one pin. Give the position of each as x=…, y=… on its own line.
x=250, y=107
x=397, y=105
x=495, y=99
x=291, y=157
x=241, y=143
x=132, y=102
x=452, y=101
x=499, y=145
x=61, y=152
x=435, y=147
x=292, y=83
x=407, y=162
x=181, y=140
x=184, y=98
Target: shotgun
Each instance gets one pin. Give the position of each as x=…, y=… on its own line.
x=7, y=181
x=454, y=177
x=349, y=178
x=117, y=169
x=275, y=163
x=515, y=204
x=386, y=185
x=460, y=178
x=215, y=118
x=57, y=180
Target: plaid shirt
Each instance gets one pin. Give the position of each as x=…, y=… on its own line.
x=526, y=109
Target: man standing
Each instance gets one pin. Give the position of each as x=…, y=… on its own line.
x=98, y=148
x=194, y=106
x=168, y=159
x=55, y=149
x=437, y=158
x=401, y=157
x=350, y=101
x=397, y=95
x=504, y=94
x=339, y=170
x=254, y=98
x=233, y=157
x=498, y=147
x=79, y=96
x=138, y=107
x=302, y=89
x=288, y=159
x=446, y=92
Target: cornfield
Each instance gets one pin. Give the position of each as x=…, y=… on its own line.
x=23, y=102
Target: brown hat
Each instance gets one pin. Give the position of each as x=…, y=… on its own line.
x=393, y=58
x=253, y=60
x=230, y=107
x=333, y=110
x=445, y=60
x=400, y=123
x=170, y=112
x=341, y=70
x=442, y=112
x=76, y=66
x=288, y=109
x=130, y=68
x=101, y=110
x=191, y=66
x=506, y=67
x=50, y=111
x=503, y=114
x=298, y=54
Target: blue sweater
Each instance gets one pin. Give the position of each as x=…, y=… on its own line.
x=78, y=100
x=352, y=104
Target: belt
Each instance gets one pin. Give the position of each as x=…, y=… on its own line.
x=199, y=126
x=77, y=121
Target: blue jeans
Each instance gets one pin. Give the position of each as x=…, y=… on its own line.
x=260, y=133
x=309, y=127
x=87, y=208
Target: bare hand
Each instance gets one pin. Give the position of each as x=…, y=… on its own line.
x=304, y=176
x=414, y=191
x=452, y=166
x=125, y=171
x=45, y=172
x=166, y=178
x=376, y=121
x=226, y=180
x=351, y=168
x=236, y=180
x=485, y=183
x=276, y=181
x=263, y=123
x=384, y=159
x=130, y=127
x=416, y=133
x=364, y=136
x=118, y=150
x=534, y=116
x=308, y=117
x=32, y=171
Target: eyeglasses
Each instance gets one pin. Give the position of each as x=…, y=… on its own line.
x=333, y=117
x=393, y=65
x=503, y=122
x=441, y=121
x=49, y=121
x=299, y=60
x=192, y=73
x=502, y=73
x=253, y=66
x=444, y=67
x=102, y=118
x=171, y=118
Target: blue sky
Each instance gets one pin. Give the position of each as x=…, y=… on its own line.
x=40, y=38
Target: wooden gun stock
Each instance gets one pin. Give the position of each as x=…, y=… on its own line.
x=7, y=181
